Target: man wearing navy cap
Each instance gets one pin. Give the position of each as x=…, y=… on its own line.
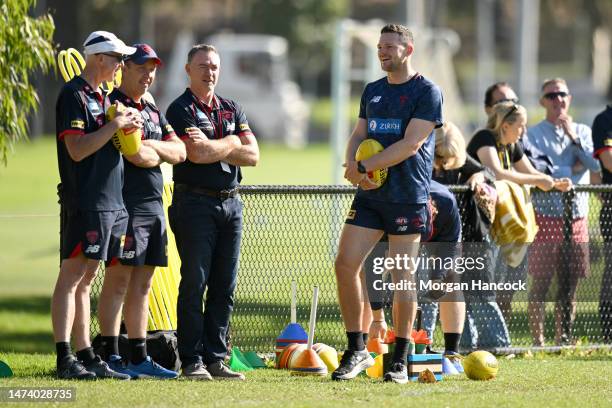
x=146, y=241
x=93, y=217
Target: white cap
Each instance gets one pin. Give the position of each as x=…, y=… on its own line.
x=103, y=41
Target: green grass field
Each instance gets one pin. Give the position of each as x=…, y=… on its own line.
x=29, y=259
x=546, y=381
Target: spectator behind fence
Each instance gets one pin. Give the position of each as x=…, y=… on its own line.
x=570, y=148
x=484, y=324
x=602, y=143
x=501, y=92
x=496, y=147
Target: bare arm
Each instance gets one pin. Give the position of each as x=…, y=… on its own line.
x=82, y=146
x=146, y=157
x=202, y=150
x=606, y=159
x=488, y=156
x=416, y=133
x=359, y=134
x=247, y=154
x=171, y=151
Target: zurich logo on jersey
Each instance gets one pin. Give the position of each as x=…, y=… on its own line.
x=391, y=126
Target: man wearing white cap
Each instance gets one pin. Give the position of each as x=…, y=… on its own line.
x=93, y=216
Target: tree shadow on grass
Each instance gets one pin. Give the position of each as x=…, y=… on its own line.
x=26, y=304
x=33, y=342
x=32, y=334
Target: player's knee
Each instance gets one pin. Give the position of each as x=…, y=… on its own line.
x=345, y=266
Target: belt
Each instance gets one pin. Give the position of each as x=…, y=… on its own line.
x=222, y=194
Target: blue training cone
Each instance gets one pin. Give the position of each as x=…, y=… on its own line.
x=293, y=333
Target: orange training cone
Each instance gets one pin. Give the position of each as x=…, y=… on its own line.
x=376, y=346
x=309, y=362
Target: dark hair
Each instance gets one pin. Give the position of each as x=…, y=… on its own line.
x=405, y=34
x=489, y=92
x=200, y=47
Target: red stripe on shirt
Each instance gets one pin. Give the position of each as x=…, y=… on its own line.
x=597, y=152
x=169, y=135
x=70, y=132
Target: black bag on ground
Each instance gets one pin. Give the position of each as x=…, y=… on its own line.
x=161, y=347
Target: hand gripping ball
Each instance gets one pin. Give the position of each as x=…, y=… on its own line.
x=127, y=141
x=480, y=365
x=367, y=149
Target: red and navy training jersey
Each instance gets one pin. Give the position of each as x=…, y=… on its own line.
x=602, y=139
x=225, y=117
x=388, y=109
x=446, y=225
x=143, y=187
x=94, y=183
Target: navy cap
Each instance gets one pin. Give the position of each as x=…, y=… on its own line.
x=143, y=53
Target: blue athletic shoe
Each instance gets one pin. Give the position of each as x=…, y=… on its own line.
x=150, y=369
x=116, y=364
x=448, y=368
x=455, y=359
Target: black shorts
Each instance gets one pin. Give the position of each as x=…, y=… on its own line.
x=96, y=234
x=392, y=218
x=146, y=241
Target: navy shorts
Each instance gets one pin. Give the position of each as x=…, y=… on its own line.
x=146, y=241
x=96, y=234
x=392, y=218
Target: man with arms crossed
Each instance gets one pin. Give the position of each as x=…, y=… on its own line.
x=146, y=241
x=206, y=213
x=400, y=111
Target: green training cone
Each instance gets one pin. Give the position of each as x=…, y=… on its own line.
x=238, y=362
x=5, y=370
x=254, y=360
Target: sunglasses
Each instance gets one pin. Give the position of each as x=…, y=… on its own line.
x=117, y=57
x=513, y=100
x=553, y=95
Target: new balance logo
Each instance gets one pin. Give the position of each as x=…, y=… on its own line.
x=92, y=249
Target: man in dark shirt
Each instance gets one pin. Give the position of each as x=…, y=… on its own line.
x=602, y=143
x=93, y=217
x=146, y=241
x=399, y=111
x=206, y=213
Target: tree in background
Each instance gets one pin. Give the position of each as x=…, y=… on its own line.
x=308, y=25
x=26, y=45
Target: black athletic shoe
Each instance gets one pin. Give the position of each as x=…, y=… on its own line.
x=397, y=374
x=352, y=363
x=102, y=370
x=72, y=369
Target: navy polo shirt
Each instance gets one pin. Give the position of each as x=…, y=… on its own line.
x=388, y=109
x=143, y=187
x=94, y=183
x=225, y=117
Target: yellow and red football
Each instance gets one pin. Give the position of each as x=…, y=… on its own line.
x=367, y=149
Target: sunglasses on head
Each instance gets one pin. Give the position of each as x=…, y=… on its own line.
x=553, y=95
x=513, y=109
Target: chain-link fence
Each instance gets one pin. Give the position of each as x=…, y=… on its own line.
x=291, y=233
